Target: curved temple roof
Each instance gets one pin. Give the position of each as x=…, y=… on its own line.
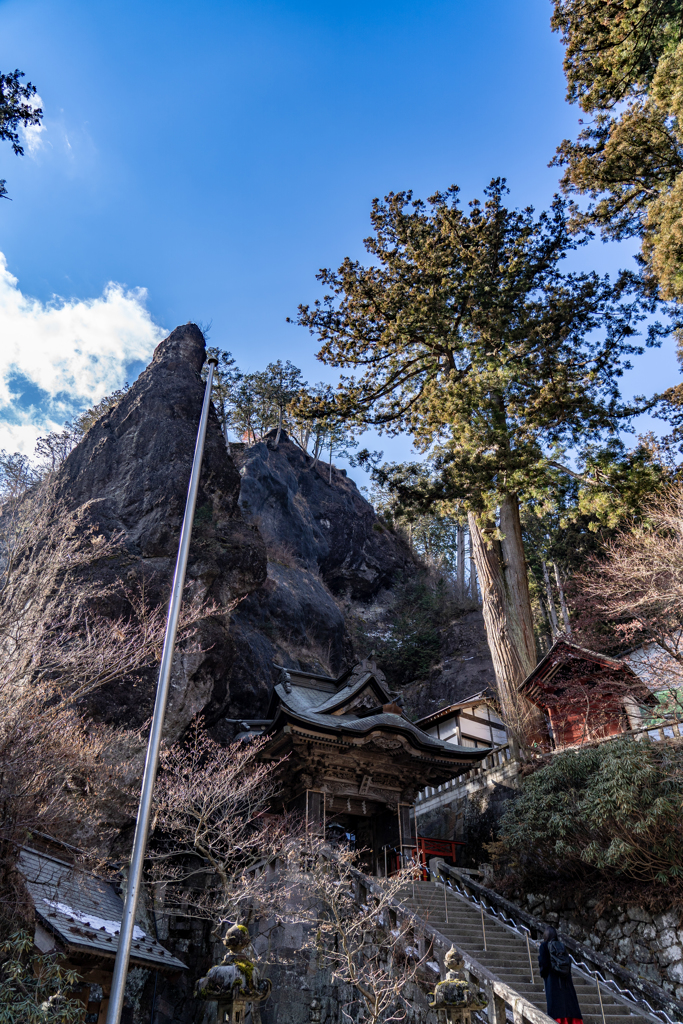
x=360, y=706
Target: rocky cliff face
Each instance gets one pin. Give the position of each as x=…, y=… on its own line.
x=282, y=551
x=464, y=668
x=326, y=549
x=128, y=478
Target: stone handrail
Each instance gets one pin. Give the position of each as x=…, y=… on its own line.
x=501, y=755
x=498, y=994
x=617, y=979
x=498, y=757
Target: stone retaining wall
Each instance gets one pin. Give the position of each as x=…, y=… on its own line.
x=649, y=945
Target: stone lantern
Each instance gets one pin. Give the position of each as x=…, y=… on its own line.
x=235, y=983
x=454, y=998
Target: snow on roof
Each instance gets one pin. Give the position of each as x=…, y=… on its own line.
x=84, y=912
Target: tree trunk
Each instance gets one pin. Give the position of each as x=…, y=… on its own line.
x=330, y=464
x=460, y=563
x=547, y=640
x=474, y=593
x=501, y=567
x=551, y=604
x=563, y=601
x=279, y=427
x=318, y=448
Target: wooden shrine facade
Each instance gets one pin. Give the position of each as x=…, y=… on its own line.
x=355, y=762
x=586, y=696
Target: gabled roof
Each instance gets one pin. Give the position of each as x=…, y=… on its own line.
x=84, y=912
x=305, y=693
x=451, y=709
x=561, y=653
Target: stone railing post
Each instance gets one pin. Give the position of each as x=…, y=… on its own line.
x=496, y=1006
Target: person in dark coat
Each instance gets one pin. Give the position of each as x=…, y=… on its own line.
x=560, y=994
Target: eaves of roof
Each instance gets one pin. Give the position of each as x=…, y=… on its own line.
x=349, y=725
x=548, y=663
x=436, y=716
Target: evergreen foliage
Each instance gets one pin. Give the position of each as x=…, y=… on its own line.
x=16, y=109
x=613, y=807
x=407, y=641
x=624, y=65
x=432, y=533
x=471, y=338
x=34, y=989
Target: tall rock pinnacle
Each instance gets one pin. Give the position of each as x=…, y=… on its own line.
x=129, y=477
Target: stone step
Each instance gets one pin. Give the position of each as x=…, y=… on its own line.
x=506, y=954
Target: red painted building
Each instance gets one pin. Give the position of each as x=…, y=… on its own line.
x=585, y=696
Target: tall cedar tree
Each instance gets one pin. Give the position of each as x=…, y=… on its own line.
x=471, y=339
x=624, y=66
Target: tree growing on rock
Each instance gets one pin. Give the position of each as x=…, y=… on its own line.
x=226, y=382
x=282, y=383
x=470, y=337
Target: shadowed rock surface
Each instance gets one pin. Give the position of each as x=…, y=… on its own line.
x=465, y=668
x=330, y=527
x=326, y=549
x=128, y=477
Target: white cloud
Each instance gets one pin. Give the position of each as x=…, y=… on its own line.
x=31, y=134
x=75, y=351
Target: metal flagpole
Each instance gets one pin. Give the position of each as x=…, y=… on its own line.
x=148, y=779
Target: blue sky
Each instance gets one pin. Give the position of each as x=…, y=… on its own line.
x=216, y=154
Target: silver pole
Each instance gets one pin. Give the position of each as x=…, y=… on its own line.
x=531, y=963
x=118, y=983
x=602, y=1008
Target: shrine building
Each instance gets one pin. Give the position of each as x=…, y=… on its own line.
x=585, y=695
x=355, y=762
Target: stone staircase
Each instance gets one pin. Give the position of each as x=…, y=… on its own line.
x=506, y=955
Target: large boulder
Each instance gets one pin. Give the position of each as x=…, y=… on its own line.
x=326, y=550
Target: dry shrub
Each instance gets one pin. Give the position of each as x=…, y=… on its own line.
x=213, y=821
x=61, y=774
x=282, y=553
x=637, y=588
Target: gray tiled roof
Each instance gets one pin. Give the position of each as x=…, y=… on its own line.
x=397, y=723
x=347, y=692
x=314, y=706
x=84, y=911
x=303, y=699
x=300, y=699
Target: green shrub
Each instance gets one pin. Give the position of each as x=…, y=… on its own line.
x=34, y=989
x=615, y=808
